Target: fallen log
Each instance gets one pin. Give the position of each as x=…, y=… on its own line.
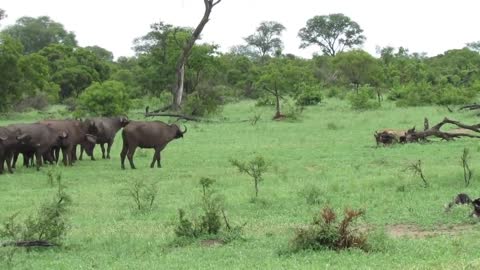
x=416, y=136
x=470, y=107
x=28, y=243
x=179, y=116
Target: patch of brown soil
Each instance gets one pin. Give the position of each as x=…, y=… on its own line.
x=413, y=231
x=212, y=242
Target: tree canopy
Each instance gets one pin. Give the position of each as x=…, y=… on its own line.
x=37, y=33
x=266, y=40
x=332, y=33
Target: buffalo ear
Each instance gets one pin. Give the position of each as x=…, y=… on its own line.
x=64, y=134
x=91, y=138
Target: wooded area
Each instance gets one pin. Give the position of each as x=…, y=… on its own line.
x=172, y=68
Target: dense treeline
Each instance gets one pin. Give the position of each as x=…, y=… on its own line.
x=41, y=63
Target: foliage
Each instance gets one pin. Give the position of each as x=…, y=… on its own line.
x=255, y=168
x=364, y=99
x=292, y=110
x=38, y=102
x=333, y=33
x=143, y=195
x=312, y=195
x=325, y=232
x=266, y=39
x=358, y=67
x=10, y=55
x=48, y=225
x=308, y=95
x=101, y=53
x=104, y=99
x=205, y=101
x=37, y=33
x=417, y=169
x=209, y=224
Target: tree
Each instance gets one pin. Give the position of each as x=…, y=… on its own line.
x=267, y=38
x=187, y=48
x=101, y=53
x=37, y=33
x=10, y=75
x=474, y=46
x=358, y=67
x=3, y=15
x=333, y=33
x=109, y=98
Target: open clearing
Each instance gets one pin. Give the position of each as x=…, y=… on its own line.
x=330, y=149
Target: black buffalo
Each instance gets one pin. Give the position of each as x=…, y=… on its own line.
x=154, y=135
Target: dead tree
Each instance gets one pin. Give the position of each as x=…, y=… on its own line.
x=415, y=136
x=187, y=48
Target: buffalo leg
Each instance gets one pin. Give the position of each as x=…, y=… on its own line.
x=81, y=152
x=156, y=156
x=103, y=150
x=123, y=154
x=109, y=146
x=14, y=159
x=131, y=152
x=8, y=160
x=2, y=161
x=38, y=157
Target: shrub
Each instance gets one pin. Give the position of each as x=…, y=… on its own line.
x=209, y=223
x=254, y=168
x=266, y=100
x=143, y=195
x=48, y=226
x=363, y=99
x=313, y=195
x=37, y=102
x=203, y=102
x=70, y=103
x=292, y=110
x=309, y=95
x=104, y=99
x=325, y=232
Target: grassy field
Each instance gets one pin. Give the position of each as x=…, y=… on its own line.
x=331, y=149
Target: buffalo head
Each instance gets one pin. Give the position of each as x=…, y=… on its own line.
x=178, y=132
x=124, y=121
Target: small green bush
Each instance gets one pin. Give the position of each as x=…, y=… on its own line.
x=255, y=168
x=265, y=100
x=202, y=103
x=309, y=95
x=325, y=232
x=364, y=99
x=109, y=98
x=48, y=225
x=209, y=224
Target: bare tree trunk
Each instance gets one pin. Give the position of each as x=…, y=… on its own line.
x=179, y=88
x=187, y=48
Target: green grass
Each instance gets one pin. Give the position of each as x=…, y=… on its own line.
x=331, y=148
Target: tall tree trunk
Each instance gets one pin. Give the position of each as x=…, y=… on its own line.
x=187, y=48
x=179, y=88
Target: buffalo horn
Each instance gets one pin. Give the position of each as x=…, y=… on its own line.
x=185, y=131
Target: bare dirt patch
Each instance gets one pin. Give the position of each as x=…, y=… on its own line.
x=414, y=231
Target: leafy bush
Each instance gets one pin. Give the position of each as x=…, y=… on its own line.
x=254, y=168
x=424, y=93
x=70, y=103
x=265, y=100
x=49, y=225
x=209, y=223
x=309, y=95
x=292, y=110
x=203, y=102
x=104, y=99
x=363, y=99
x=326, y=232
x=37, y=102
x=313, y=195
x=143, y=195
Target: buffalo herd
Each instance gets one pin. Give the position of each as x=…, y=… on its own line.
x=42, y=142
